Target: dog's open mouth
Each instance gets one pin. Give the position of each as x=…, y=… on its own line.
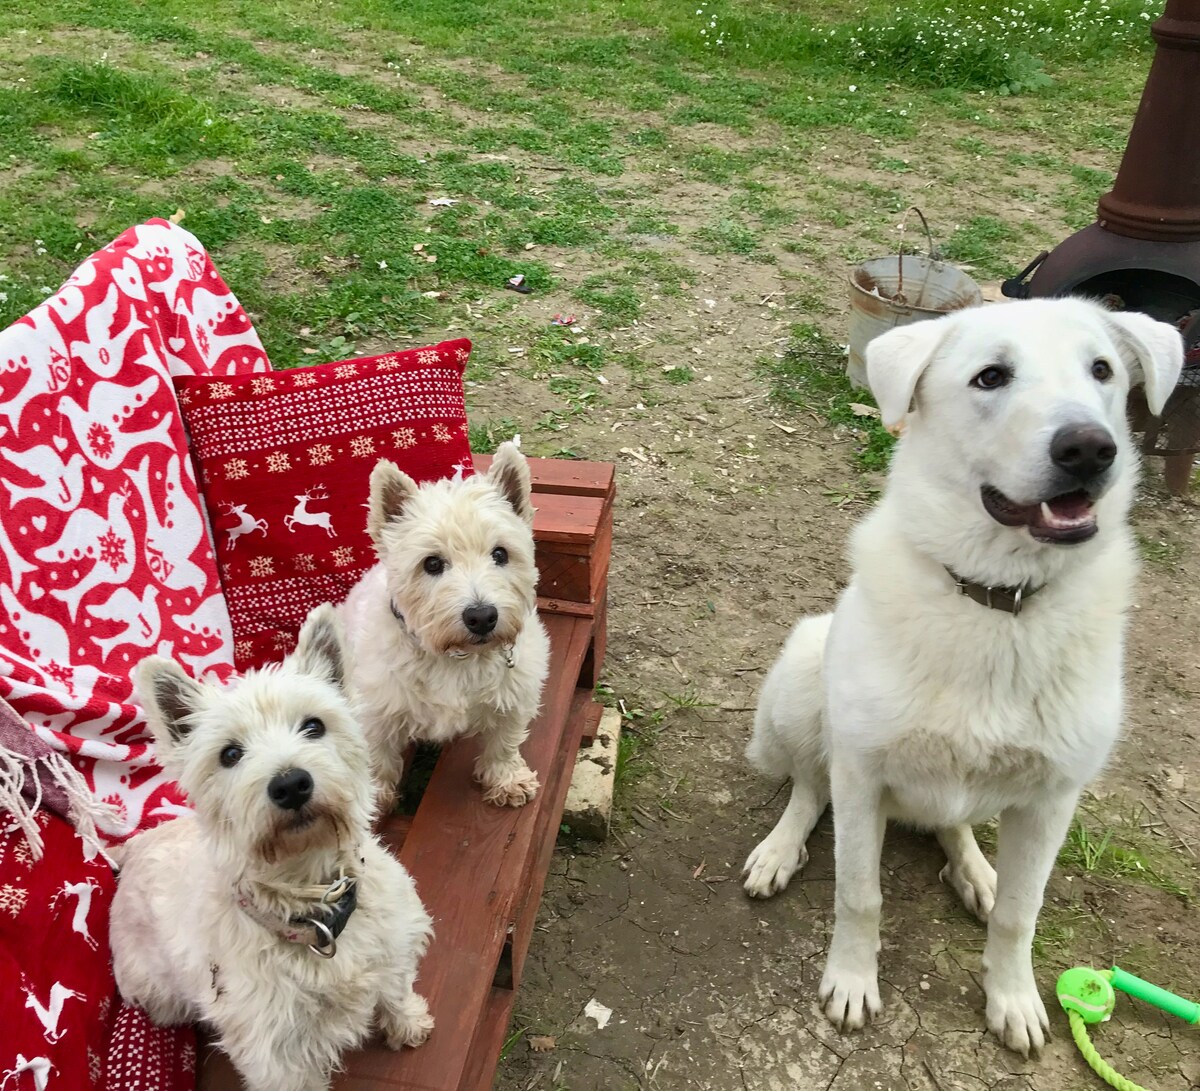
x=1067, y=518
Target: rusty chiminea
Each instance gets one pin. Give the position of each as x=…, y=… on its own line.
x=1143, y=251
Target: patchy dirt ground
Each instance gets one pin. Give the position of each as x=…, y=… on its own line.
x=727, y=528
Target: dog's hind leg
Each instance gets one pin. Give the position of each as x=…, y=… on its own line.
x=779, y=855
x=787, y=742
x=967, y=870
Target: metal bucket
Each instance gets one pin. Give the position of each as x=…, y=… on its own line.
x=898, y=290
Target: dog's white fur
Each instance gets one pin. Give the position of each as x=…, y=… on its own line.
x=185, y=951
x=426, y=677
x=915, y=703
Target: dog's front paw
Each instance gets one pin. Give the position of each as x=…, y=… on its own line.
x=513, y=790
x=975, y=885
x=850, y=997
x=411, y=1026
x=1018, y=1018
x=770, y=867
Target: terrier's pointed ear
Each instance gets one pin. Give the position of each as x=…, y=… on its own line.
x=391, y=489
x=320, y=648
x=170, y=699
x=509, y=473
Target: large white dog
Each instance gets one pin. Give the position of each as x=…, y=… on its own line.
x=973, y=665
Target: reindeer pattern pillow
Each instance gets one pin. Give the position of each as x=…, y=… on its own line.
x=284, y=461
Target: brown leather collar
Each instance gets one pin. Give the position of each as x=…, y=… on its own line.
x=1008, y=599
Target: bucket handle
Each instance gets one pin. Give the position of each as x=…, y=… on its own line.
x=900, y=256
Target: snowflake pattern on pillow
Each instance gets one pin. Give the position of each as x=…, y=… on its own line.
x=285, y=461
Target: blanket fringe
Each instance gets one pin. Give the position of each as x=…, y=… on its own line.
x=12, y=799
x=84, y=809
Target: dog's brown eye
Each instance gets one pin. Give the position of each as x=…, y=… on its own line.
x=1101, y=371
x=312, y=728
x=434, y=566
x=230, y=756
x=500, y=555
x=992, y=378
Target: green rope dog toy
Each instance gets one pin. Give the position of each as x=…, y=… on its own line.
x=1088, y=996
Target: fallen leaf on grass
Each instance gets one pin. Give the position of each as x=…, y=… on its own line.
x=860, y=410
x=699, y=871
x=542, y=1043
x=783, y=427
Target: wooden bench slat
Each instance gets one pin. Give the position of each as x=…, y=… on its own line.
x=558, y=475
x=530, y=891
x=489, y=1039
x=471, y=862
x=570, y=520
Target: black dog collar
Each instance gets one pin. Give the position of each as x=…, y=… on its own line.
x=320, y=929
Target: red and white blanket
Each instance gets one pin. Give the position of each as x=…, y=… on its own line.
x=104, y=552
x=105, y=556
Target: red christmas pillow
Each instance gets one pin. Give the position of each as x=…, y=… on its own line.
x=285, y=460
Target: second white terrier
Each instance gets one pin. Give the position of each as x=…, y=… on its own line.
x=272, y=914
x=444, y=632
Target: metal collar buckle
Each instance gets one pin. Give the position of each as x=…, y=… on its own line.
x=1008, y=599
x=342, y=898
x=327, y=946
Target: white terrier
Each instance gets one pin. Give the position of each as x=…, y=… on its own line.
x=273, y=913
x=444, y=633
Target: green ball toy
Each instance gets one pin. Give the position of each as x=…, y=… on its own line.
x=1087, y=992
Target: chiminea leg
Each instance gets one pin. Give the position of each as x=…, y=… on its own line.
x=1183, y=435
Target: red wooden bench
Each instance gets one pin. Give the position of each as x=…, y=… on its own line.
x=479, y=868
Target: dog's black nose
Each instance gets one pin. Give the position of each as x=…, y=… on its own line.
x=291, y=789
x=1084, y=451
x=480, y=619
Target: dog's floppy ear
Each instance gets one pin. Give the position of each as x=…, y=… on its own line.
x=169, y=697
x=509, y=473
x=320, y=648
x=895, y=361
x=391, y=489
x=1153, y=351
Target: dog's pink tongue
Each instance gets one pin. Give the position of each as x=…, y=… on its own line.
x=1069, y=510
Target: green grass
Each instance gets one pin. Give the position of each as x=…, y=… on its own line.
x=811, y=375
x=306, y=138
x=1120, y=849
x=640, y=728
x=729, y=236
x=1160, y=551
x=984, y=243
x=486, y=435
